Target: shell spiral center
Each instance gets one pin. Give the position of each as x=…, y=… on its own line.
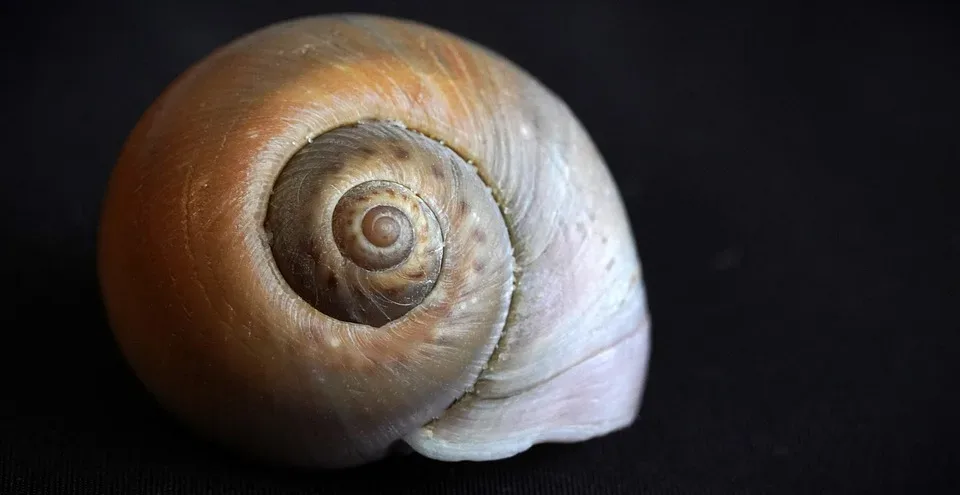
x=348, y=227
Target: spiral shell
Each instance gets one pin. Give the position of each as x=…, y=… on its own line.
x=332, y=193
x=340, y=233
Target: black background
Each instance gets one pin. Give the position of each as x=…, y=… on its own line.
x=791, y=179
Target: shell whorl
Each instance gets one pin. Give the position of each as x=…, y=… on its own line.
x=342, y=232
x=336, y=196
x=419, y=321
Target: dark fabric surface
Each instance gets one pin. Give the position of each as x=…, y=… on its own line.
x=790, y=175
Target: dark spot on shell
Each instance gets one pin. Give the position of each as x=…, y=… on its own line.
x=332, y=283
x=367, y=151
x=400, y=153
x=479, y=236
x=604, y=239
x=610, y=264
x=335, y=165
x=391, y=193
x=462, y=209
x=439, y=309
x=478, y=266
x=437, y=170
x=536, y=122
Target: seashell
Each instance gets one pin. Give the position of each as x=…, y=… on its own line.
x=341, y=234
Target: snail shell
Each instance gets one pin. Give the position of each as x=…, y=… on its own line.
x=340, y=234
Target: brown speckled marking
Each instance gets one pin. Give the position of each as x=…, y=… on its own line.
x=479, y=236
x=462, y=210
x=478, y=266
x=366, y=151
x=400, y=153
x=437, y=170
